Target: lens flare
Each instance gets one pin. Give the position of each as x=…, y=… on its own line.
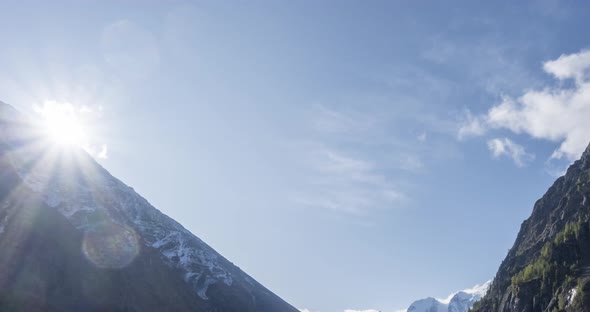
x=110, y=245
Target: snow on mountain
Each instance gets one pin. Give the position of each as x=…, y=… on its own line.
x=460, y=301
x=122, y=205
x=97, y=203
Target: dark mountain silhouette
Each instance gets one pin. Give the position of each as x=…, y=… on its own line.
x=74, y=238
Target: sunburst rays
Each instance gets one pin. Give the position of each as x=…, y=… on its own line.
x=65, y=179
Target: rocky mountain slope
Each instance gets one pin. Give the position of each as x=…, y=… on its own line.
x=74, y=238
x=460, y=301
x=548, y=268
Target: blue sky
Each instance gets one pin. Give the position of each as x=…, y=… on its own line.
x=346, y=154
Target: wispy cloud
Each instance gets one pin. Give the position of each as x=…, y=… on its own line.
x=488, y=62
x=344, y=183
x=333, y=121
x=359, y=159
x=471, y=126
x=506, y=147
x=343, y=171
x=558, y=113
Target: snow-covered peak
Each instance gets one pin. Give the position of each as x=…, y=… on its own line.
x=90, y=197
x=428, y=305
x=460, y=301
x=480, y=290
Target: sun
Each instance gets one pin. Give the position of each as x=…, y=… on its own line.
x=61, y=123
x=71, y=127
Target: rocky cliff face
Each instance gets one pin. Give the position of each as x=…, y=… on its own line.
x=74, y=238
x=548, y=268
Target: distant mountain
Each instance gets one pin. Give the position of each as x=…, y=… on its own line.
x=460, y=301
x=548, y=268
x=75, y=238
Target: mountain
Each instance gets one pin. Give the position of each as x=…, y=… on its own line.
x=460, y=301
x=548, y=267
x=75, y=238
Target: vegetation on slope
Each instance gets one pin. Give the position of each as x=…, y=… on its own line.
x=548, y=268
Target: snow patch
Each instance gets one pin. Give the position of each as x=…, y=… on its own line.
x=97, y=194
x=571, y=295
x=4, y=221
x=480, y=290
x=460, y=301
x=202, y=290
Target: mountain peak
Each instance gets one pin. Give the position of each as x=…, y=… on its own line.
x=546, y=268
x=94, y=244
x=479, y=289
x=7, y=112
x=586, y=153
x=460, y=301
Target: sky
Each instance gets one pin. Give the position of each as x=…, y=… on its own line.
x=349, y=155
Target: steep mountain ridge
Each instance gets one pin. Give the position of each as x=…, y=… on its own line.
x=65, y=220
x=548, y=267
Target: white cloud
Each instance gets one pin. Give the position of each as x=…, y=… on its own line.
x=570, y=66
x=558, y=114
x=505, y=147
x=471, y=126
